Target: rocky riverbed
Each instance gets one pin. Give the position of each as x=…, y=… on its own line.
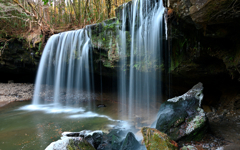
x=15, y=92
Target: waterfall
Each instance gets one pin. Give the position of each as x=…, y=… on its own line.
x=64, y=76
x=65, y=70
x=139, y=84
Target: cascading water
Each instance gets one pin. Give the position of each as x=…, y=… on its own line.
x=140, y=85
x=64, y=72
x=64, y=76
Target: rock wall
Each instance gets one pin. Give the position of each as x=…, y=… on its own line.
x=19, y=61
x=204, y=37
x=202, y=45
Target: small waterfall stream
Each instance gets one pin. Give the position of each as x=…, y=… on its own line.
x=140, y=85
x=64, y=70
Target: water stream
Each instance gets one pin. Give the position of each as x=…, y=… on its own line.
x=64, y=70
x=141, y=83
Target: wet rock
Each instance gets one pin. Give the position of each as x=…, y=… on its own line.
x=92, y=137
x=112, y=140
x=182, y=118
x=79, y=145
x=189, y=147
x=85, y=139
x=63, y=143
x=118, y=139
x=154, y=139
x=16, y=61
x=130, y=142
x=101, y=105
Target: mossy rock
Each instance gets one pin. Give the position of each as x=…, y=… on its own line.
x=154, y=139
x=181, y=118
x=189, y=147
x=79, y=145
x=130, y=142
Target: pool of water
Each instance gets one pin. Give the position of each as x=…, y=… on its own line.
x=27, y=127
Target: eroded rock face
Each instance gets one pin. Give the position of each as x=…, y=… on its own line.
x=104, y=42
x=18, y=60
x=182, y=118
x=155, y=139
x=206, y=11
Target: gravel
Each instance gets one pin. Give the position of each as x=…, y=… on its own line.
x=15, y=92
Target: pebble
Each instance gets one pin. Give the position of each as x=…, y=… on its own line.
x=16, y=92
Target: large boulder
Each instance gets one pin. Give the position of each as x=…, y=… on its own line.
x=130, y=142
x=118, y=139
x=85, y=139
x=70, y=143
x=154, y=139
x=79, y=145
x=112, y=140
x=92, y=137
x=182, y=118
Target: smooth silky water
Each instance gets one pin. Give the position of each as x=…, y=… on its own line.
x=28, y=127
x=140, y=84
x=64, y=96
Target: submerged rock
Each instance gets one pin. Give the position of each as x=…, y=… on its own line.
x=154, y=139
x=101, y=105
x=182, y=118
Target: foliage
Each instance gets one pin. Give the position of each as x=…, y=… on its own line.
x=20, y=18
x=56, y=13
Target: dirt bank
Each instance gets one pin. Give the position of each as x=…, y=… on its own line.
x=15, y=92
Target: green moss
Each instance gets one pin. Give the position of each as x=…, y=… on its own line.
x=79, y=145
x=154, y=139
x=179, y=121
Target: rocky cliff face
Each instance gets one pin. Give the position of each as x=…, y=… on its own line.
x=204, y=35
x=203, y=43
x=19, y=61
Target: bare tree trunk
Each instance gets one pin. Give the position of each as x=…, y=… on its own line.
x=109, y=5
x=85, y=12
x=55, y=11
x=79, y=14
